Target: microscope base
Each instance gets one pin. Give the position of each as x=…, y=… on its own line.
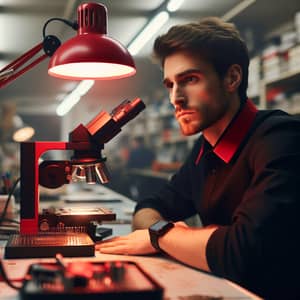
x=49, y=244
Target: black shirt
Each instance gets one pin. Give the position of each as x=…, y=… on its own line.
x=249, y=185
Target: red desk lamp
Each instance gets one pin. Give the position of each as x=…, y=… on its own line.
x=89, y=55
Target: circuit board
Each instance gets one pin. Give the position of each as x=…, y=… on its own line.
x=115, y=280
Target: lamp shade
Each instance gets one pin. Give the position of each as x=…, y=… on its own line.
x=91, y=54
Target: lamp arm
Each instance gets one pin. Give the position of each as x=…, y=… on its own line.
x=50, y=43
x=23, y=58
x=8, y=73
x=11, y=72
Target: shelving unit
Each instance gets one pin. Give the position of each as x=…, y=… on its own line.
x=289, y=81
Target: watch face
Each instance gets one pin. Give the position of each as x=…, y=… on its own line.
x=159, y=225
x=157, y=230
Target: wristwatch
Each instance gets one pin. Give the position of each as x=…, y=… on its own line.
x=157, y=230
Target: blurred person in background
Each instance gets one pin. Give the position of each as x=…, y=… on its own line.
x=9, y=149
x=140, y=156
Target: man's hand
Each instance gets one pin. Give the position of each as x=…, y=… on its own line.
x=135, y=243
x=183, y=243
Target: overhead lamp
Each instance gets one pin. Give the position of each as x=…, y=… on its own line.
x=12, y=128
x=23, y=133
x=148, y=32
x=237, y=9
x=89, y=55
x=174, y=5
x=71, y=99
x=153, y=25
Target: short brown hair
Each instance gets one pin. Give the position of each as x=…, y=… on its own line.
x=217, y=41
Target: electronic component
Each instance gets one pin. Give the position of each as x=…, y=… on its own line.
x=74, y=219
x=97, y=232
x=115, y=280
x=49, y=244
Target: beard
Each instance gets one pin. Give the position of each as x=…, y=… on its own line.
x=203, y=116
x=188, y=126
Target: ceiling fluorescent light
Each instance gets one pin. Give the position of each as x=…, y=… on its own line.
x=174, y=5
x=83, y=87
x=67, y=104
x=146, y=34
x=237, y=9
x=74, y=97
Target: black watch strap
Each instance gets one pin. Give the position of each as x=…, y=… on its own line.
x=157, y=230
x=154, y=241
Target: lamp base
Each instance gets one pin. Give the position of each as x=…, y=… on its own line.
x=49, y=244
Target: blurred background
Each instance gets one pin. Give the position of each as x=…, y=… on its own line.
x=270, y=29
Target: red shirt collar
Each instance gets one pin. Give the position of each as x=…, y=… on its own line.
x=234, y=134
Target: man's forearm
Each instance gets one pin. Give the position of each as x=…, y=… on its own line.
x=145, y=218
x=188, y=245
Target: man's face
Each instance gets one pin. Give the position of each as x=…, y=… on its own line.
x=196, y=92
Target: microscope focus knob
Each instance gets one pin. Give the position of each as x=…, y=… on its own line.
x=53, y=174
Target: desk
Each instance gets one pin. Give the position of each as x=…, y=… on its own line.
x=180, y=282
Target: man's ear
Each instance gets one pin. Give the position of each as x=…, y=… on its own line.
x=233, y=78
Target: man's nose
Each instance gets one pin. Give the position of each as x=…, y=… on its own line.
x=177, y=98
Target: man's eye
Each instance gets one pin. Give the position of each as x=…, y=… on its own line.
x=190, y=79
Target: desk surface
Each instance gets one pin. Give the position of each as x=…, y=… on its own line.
x=180, y=282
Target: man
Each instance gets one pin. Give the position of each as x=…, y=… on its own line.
x=241, y=177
